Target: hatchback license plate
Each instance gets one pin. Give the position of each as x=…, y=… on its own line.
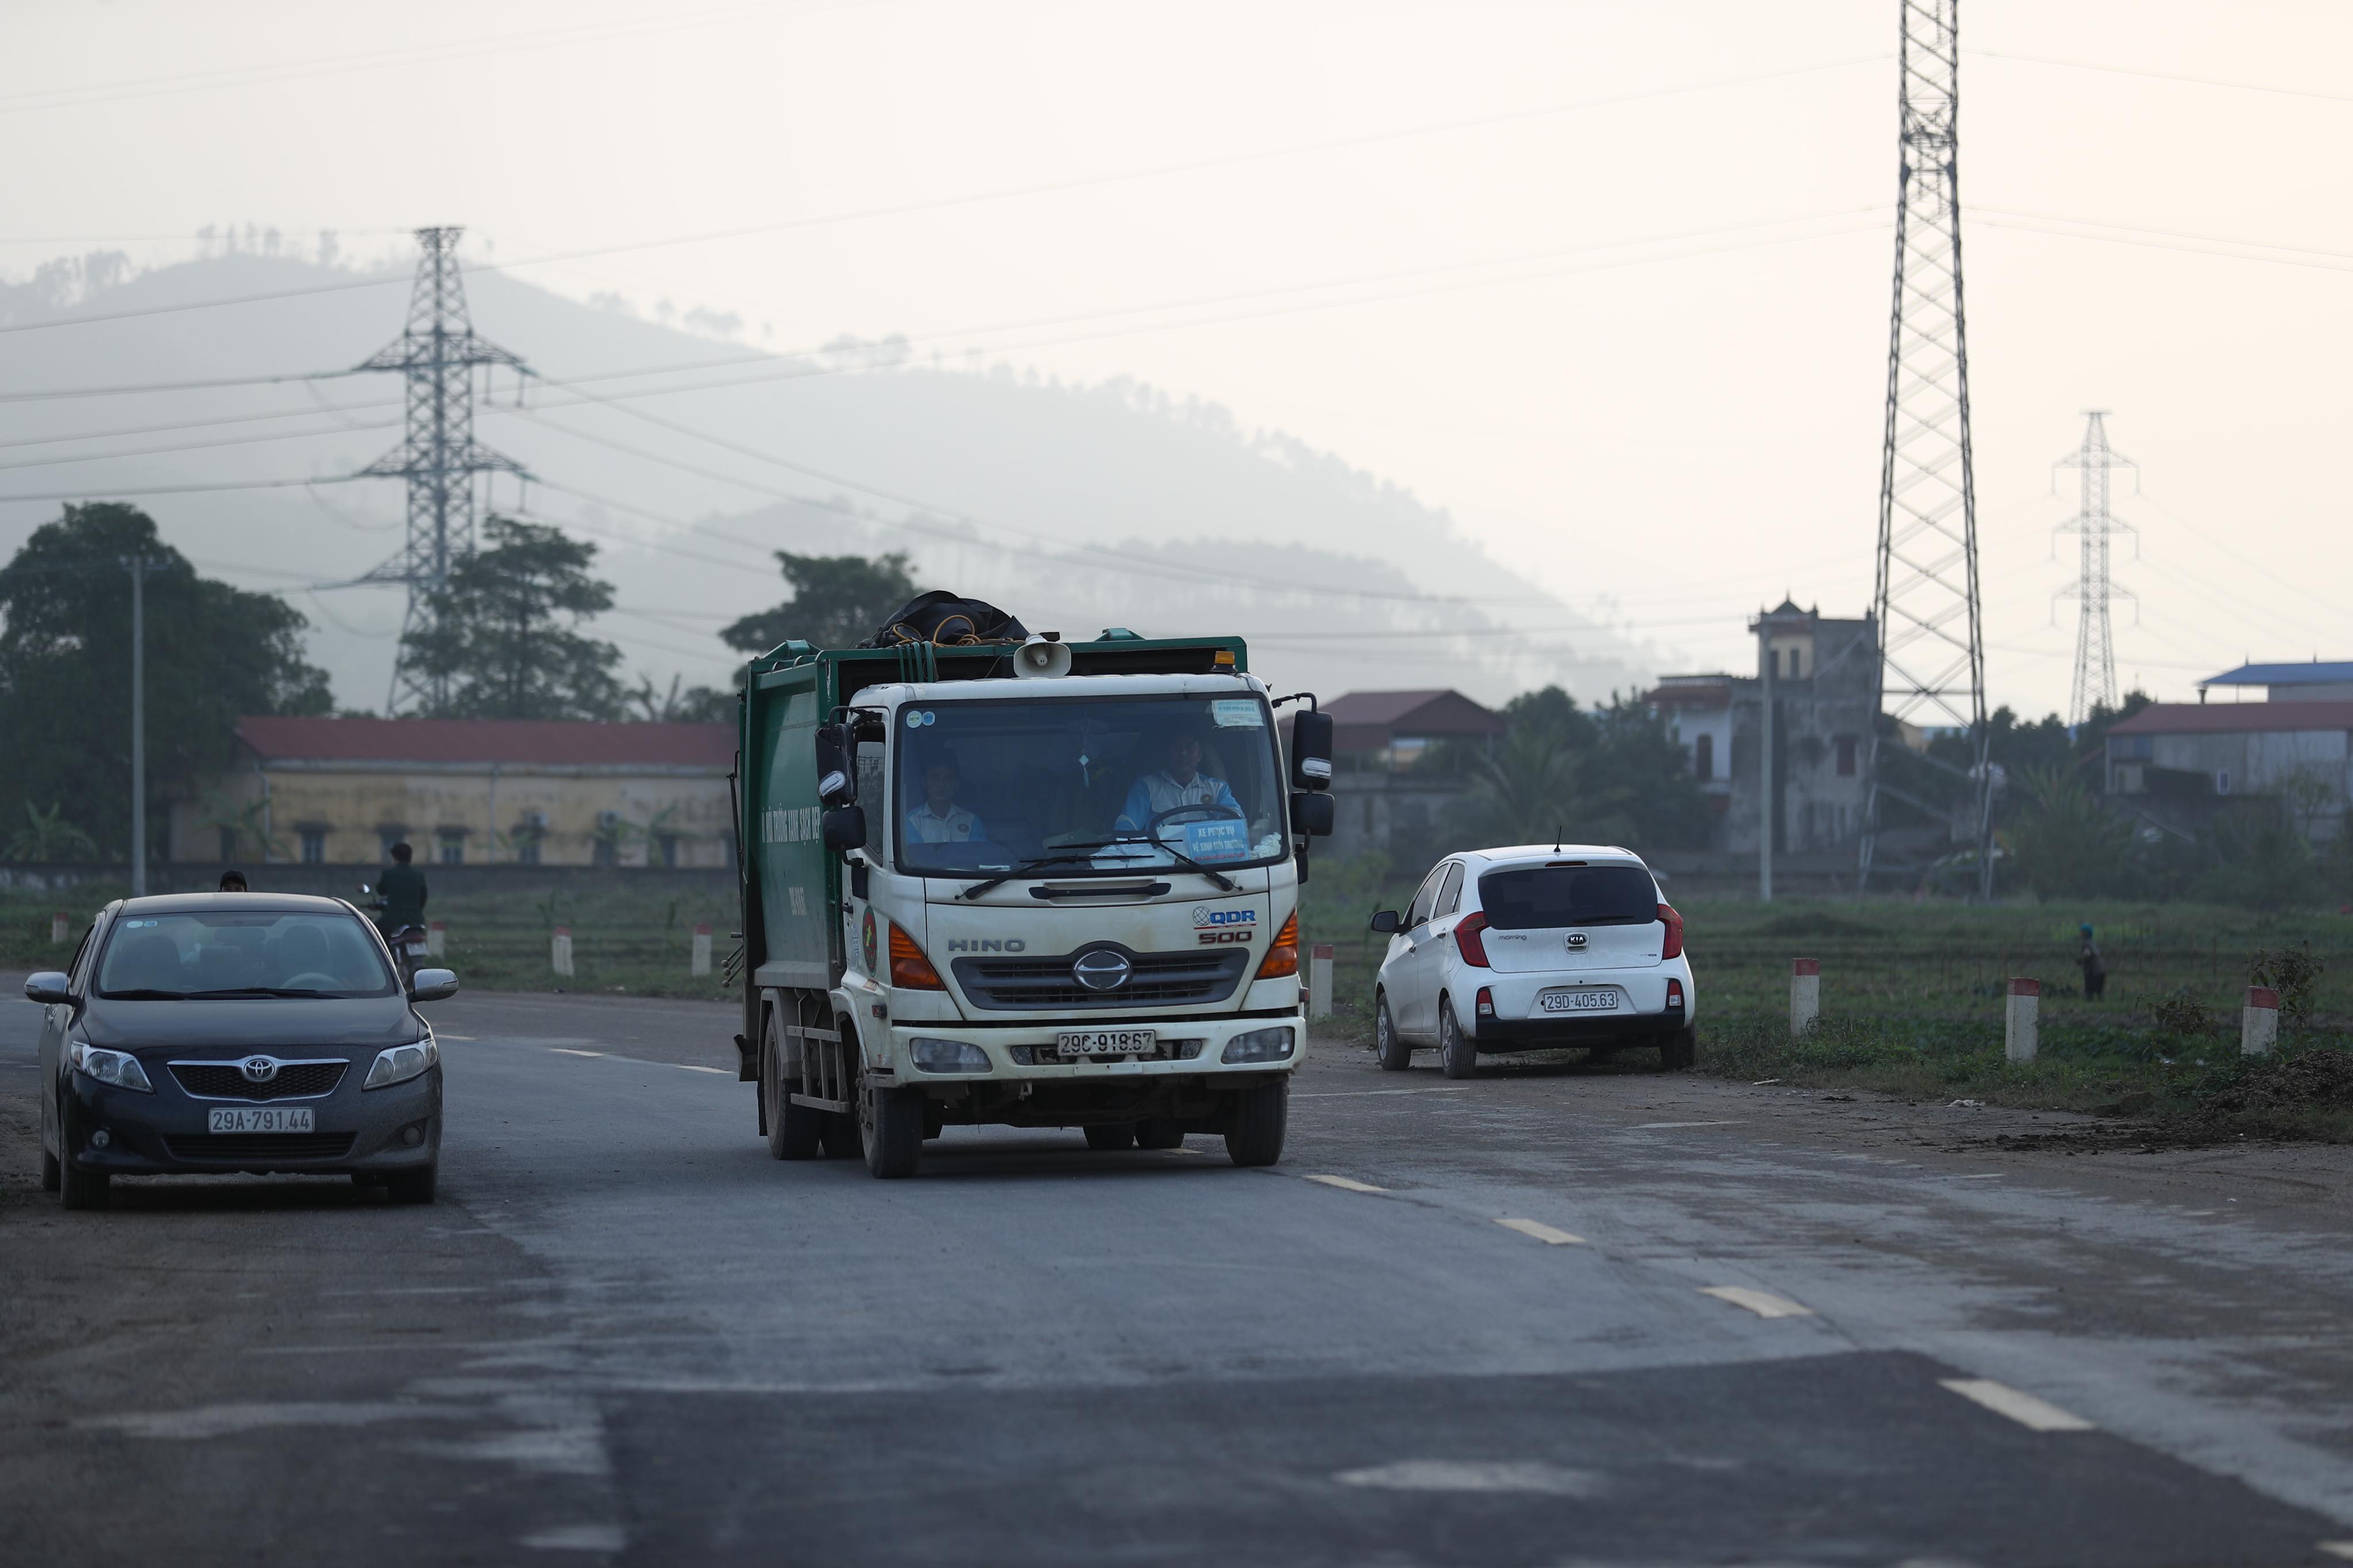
x=1579, y=1001
x=1106, y=1042
x=261, y=1119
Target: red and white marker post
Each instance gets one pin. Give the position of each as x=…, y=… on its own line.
x=2022, y=1020
x=1805, y=995
x=2259, y=1022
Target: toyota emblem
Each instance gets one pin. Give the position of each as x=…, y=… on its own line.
x=259, y=1070
x=1102, y=970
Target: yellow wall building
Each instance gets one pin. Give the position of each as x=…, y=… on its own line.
x=466, y=792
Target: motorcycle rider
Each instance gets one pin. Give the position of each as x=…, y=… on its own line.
x=402, y=888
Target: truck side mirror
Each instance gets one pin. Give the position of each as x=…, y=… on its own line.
x=1312, y=814
x=837, y=777
x=1311, y=752
x=845, y=829
x=1385, y=922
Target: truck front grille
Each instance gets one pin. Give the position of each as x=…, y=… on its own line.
x=1155, y=980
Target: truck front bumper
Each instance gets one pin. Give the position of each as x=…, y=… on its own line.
x=1184, y=1046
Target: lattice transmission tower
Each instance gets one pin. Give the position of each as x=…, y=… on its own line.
x=1931, y=639
x=438, y=353
x=2095, y=646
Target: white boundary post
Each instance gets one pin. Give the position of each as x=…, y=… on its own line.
x=1319, y=981
x=57, y=929
x=2259, y=1022
x=1805, y=995
x=2021, y=1022
x=560, y=950
x=701, y=963
x=437, y=938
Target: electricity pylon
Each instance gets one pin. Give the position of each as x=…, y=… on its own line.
x=2095, y=647
x=439, y=456
x=1931, y=639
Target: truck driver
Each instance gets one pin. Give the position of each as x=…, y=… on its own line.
x=1181, y=783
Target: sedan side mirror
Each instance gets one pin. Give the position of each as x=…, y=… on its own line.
x=49, y=988
x=433, y=986
x=1385, y=922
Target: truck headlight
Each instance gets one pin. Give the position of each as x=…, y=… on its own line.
x=118, y=1067
x=948, y=1055
x=1258, y=1045
x=401, y=1063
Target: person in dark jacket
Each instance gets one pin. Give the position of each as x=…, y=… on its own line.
x=2095, y=969
x=402, y=886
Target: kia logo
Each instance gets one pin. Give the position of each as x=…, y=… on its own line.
x=259, y=1070
x=1575, y=940
x=1102, y=970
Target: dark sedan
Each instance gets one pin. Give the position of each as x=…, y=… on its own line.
x=217, y=1032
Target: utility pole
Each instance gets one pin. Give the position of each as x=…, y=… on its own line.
x=438, y=456
x=138, y=726
x=2095, y=647
x=1927, y=605
x=1765, y=761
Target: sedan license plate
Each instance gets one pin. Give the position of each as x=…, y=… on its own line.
x=1106, y=1042
x=258, y=1119
x=1579, y=1001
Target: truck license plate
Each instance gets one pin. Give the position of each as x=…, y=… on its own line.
x=1106, y=1042
x=1579, y=1001
x=263, y=1119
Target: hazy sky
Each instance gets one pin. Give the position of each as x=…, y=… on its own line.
x=1683, y=426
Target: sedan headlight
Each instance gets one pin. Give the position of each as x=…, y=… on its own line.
x=948, y=1055
x=1258, y=1045
x=402, y=1063
x=118, y=1067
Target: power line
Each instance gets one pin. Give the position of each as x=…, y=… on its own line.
x=56, y=395
x=193, y=446
x=200, y=425
x=101, y=493
x=2162, y=76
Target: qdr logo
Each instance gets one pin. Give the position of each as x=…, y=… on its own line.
x=1203, y=915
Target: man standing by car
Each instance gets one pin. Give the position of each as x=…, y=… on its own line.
x=402, y=887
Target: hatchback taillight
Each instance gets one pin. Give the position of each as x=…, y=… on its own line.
x=1672, y=945
x=1467, y=939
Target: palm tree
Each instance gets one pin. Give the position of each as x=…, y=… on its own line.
x=1527, y=792
x=49, y=836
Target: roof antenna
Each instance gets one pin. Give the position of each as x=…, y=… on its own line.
x=1555, y=838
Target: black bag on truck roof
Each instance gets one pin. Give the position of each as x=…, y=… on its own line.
x=949, y=621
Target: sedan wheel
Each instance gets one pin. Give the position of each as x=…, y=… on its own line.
x=77, y=1189
x=49, y=1172
x=1396, y=1054
x=1456, y=1054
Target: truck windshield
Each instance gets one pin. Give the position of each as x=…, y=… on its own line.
x=1086, y=783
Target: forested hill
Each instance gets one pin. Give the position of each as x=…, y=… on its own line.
x=1075, y=507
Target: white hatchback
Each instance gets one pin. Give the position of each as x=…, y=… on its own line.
x=1533, y=947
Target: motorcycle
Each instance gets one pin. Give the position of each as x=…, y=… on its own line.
x=408, y=941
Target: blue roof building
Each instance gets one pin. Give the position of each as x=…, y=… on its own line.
x=2317, y=681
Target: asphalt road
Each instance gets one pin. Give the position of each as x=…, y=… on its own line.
x=1546, y=1317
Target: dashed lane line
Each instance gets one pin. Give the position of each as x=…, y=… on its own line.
x=568, y=1051
x=2343, y=1549
x=1347, y=1184
x=1763, y=1303
x=1660, y=1126
x=1362, y=1093
x=690, y=1066
x=2035, y=1415
x=1542, y=1232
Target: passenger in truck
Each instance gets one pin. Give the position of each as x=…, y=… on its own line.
x=939, y=819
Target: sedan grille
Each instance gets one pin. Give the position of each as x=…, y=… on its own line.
x=226, y=1148
x=1155, y=979
x=226, y=1080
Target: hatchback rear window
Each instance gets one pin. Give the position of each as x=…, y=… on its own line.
x=1537, y=897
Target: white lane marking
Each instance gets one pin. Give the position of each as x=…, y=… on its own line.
x=1542, y=1232
x=1655, y=1126
x=445, y=1035
x=2202, y=1214
x=1984, y=1176
x=2035, y=1415
x=690, y=1066
x=1180, y=1149
x=207, y=1421
x=1361, y=1093
x=1473, y=1476
x=2338, y=1549
x=577, y=1538
x=1347, y=1185
x=1763, y=1303
x=568, y=1051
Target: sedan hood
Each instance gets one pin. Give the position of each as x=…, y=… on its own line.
x=259, y=1023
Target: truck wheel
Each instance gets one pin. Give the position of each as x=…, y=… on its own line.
x=1116, y=1135
x=77, y=1189
x=1396, y=1054
x=1456, y=1054
x=890, y=1124
x=1678, y=1050
x=1159, y=1135
x=794, y=1130
x=1261, y=1117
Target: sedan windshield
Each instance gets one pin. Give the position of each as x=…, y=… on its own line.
x=1539, y=897
x=1073, y=785
x=241, y=954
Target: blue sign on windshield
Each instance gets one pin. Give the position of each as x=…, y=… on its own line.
x=1220, y=838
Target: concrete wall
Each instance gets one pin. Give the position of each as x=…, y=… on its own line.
x=343, y=882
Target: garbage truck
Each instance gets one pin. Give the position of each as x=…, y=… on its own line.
x=1028, y=884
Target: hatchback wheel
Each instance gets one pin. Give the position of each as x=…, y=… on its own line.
x=1456, y=1054
x=1678, y=1050
x=1396, y=1054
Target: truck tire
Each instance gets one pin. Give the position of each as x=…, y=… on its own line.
x=1112, y=1135
x=1396, y=1054
x=1678, y=1050
x=1456, y=1054
x=1261, y=1117
x=1159, y=1135
x=794, y=1130
x=891, y=1127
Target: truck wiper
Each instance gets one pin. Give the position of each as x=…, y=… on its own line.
x=1181, y=858
x=1070, y=852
